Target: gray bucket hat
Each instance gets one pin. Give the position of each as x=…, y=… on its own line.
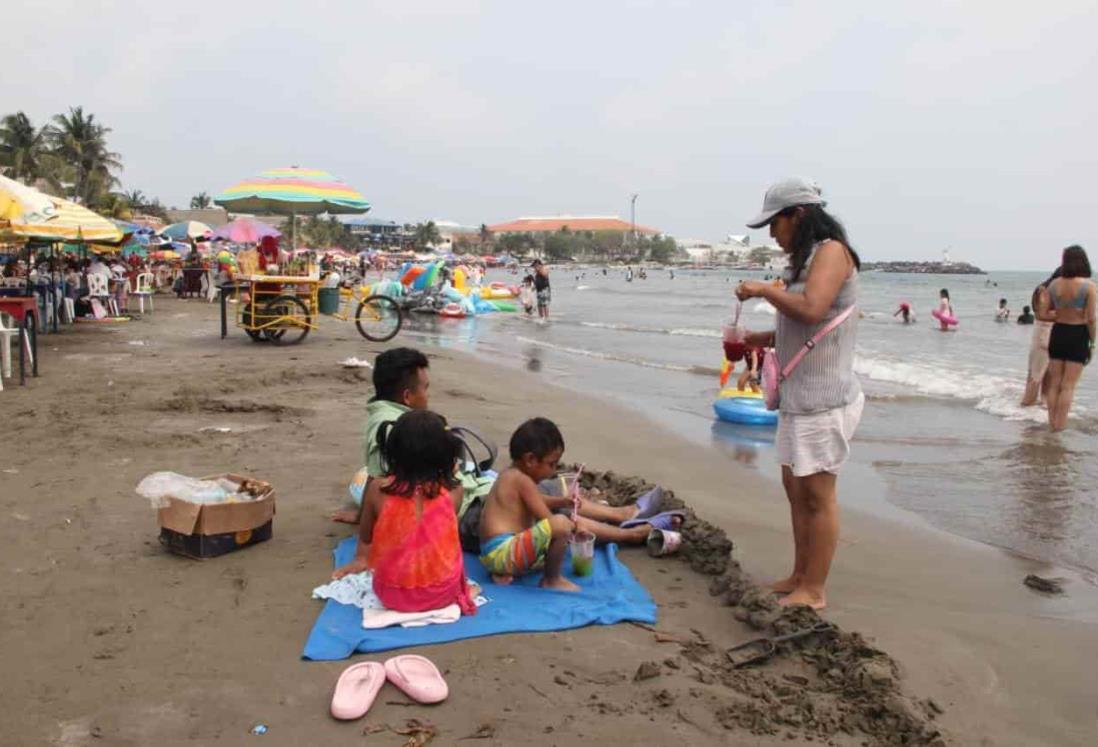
x=796, y=190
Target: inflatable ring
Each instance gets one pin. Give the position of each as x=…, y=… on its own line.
x=452, y=311
x=746, y=410
x=943, y=318
x=733, y=392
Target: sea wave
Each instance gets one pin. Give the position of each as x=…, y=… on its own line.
x=995, y=395
x=686, y=331
x=603, y=355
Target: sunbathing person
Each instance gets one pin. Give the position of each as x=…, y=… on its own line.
x=408, y=535
x=520, y=533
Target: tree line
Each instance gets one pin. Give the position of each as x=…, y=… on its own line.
x=70, y=157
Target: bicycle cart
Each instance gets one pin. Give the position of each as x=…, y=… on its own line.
x=283, y=309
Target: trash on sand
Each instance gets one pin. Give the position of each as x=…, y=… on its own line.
x=353, y=362
x=1046, y=585
x=136, y=343
x=160, y=486
x=258, y=729
x=11, y=471
x=215, y=429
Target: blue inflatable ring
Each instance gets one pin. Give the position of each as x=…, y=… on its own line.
x=744, y=410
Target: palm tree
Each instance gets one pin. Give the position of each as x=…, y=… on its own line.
x=200, y=201
x=115, y=205
x=21, y=147
x=81, y=142
x=136, y=198
x=427, y=234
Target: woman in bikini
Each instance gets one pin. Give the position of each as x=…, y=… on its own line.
x=1071, y=342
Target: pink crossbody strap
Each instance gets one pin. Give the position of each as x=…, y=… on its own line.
x=827, y=329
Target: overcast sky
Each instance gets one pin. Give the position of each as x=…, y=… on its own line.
x=969, y=125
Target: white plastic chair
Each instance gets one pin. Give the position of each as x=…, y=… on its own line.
x=143, y=288
x=99, y=288
x=6, y=335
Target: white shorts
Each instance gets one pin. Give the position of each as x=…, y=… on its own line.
x=819, y=441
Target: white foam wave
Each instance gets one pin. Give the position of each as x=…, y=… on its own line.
x=995, y=395
x=583, y=287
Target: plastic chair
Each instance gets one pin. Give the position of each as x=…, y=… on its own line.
x=6, y=335
x=99, y=288
x=143, y=288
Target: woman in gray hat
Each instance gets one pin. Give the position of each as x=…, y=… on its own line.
x=821, y=399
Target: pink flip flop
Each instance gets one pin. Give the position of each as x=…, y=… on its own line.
x=356, y=689
x=418, y=678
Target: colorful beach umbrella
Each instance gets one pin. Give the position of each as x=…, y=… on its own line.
x=28, y=213
x=292, y=191
x=188, y=229
x=246, y=231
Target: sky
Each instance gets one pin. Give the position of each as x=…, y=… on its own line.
x=932, y=125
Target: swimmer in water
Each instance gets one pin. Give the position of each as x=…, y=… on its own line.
x=1002, y=314
x=906, y=310
x=945, y=308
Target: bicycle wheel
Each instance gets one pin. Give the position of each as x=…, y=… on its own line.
x=246, y=320
x=378, y=318
x=290, y=320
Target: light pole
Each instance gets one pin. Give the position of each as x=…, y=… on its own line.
x=633, y=218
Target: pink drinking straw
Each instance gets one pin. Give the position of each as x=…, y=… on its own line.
x=575, y=493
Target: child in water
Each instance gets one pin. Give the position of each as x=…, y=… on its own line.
x=907, y=312
x=945, y=309
x=1003, y=312
x=408, y=536
x=526, y=294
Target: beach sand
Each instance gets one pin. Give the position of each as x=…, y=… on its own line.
x=107, y=639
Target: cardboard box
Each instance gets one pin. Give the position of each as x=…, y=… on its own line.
x=208, y=530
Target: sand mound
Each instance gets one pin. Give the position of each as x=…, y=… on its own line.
x=823, y=687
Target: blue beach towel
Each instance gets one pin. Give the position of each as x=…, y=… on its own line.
x=611, y=595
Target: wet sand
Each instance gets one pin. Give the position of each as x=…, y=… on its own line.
x=106, y=639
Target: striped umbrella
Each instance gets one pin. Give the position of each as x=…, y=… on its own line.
x=29, y=213
x=188, y=229
x=292, y=191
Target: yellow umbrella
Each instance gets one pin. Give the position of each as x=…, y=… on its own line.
x=29, y=213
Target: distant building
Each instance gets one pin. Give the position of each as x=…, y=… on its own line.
x=213, y=217
x=571, y=222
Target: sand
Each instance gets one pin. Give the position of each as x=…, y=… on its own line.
x=107, y=640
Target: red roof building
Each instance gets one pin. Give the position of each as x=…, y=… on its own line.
x=572, y=222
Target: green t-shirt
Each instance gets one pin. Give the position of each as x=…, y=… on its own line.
x=378, y=411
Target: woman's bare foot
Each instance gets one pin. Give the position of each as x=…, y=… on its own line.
x=345, y=515
x=560, y=584
x=786, y=585
x=804, y=598
x=502, y=580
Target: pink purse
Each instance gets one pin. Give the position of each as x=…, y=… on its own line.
x=773, y=374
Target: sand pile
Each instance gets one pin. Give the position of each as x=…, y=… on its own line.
x=830, y=686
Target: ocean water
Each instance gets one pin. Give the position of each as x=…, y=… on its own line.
x=942, y=435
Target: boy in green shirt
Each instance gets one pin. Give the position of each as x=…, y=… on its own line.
x=400, y=384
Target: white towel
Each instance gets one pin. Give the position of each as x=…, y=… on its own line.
x=383, y=618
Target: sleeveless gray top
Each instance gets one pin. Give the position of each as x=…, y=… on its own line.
x=825, y=379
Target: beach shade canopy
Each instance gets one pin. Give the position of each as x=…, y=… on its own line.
x=164, y=254
x=292, y=191
x=28, y=213
x=188, y=229
x=246, y=231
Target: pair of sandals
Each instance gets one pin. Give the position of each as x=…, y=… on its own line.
x=358, y=686
x=648, y=506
